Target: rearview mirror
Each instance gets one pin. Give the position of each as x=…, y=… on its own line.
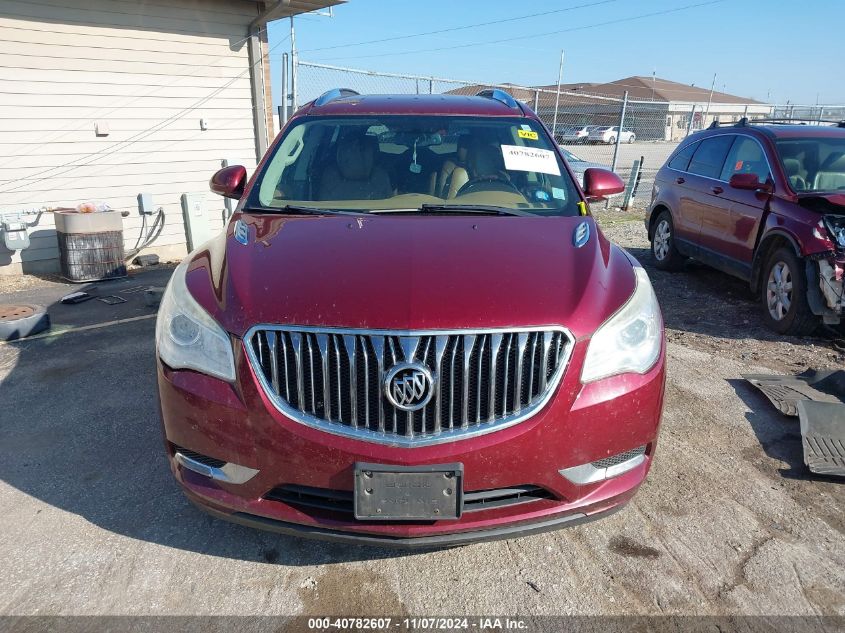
x=600, y=183
x=229, y=182
x=750, y=182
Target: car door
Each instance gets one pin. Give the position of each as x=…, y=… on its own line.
x=747, y=207
x=706, y=206
x=679, y=197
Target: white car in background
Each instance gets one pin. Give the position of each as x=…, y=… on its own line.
x=575, y=134
x=609, y=134
x=579, y=165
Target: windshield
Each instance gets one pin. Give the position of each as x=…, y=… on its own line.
x=813, y=164
x=404, y=162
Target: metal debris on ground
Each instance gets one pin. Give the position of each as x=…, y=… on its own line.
x=818, y=399
x=786, y=391
x=823, y=436
x=111, y=299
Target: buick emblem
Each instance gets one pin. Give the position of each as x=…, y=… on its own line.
x=409, y=386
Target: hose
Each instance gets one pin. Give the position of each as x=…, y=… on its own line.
x=152, y=235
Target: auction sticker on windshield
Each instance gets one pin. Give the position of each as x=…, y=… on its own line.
x=530, y=159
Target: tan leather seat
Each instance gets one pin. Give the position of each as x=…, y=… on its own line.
x=443, y=185
x=485, y=160
x=832, y=174
x=793, y=172
x=355, y=175
x=457, y=179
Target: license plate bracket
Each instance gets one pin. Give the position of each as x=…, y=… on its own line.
x=386, y=492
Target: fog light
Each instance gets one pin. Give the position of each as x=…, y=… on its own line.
x=605, y=468
x=216, y=469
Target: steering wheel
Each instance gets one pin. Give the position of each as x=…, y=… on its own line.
x=477, y=184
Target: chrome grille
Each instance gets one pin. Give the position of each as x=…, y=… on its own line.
x=482, y=380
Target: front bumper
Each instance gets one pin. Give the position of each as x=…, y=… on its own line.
x=398, y=542
x=235, y=423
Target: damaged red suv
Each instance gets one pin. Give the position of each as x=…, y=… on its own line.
x=765, y=202
x=411, y=333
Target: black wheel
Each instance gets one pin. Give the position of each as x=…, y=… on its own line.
x=631, y=139
x=663, y=251
x=22, y=320
x=784, y=295
x=611, y=140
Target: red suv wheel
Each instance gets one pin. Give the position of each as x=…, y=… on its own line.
x=784, y=295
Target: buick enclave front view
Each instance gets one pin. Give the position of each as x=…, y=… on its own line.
x=412, y=332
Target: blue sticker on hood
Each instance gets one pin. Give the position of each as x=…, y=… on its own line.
x=581, y=235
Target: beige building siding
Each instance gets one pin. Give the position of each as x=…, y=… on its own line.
x=149, y=70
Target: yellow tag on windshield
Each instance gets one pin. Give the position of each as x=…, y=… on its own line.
x=527, y=134
x=582, y=207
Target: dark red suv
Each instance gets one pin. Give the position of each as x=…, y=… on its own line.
x=763, y=202
x=411, y=333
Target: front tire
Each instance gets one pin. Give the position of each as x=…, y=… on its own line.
x=784, y=295
x=631, y=139
x=611, y=140
x=663, y=251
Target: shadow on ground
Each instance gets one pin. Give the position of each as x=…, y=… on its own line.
x=80, y=431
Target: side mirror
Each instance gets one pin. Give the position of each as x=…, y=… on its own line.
x=749, y=182
x=600, y=183
x=229, y=182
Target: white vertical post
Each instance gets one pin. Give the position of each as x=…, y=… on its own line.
x=283, y=113
x=256, y=82
x=619, y=134
x=557, y=98
x=618, y=140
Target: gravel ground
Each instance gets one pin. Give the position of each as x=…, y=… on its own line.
x=728, y=523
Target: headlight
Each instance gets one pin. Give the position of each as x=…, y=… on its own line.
x=186, y=335
x=630, y=340
x=835, y=225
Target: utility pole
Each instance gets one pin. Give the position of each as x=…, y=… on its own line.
x=689, y=123
x=557, y=98
x=294, y=61
x=710, y=99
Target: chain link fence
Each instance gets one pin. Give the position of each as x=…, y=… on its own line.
x=632, y=137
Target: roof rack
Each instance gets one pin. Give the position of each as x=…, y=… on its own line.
x=335, y=93
x=498, y=95
x=745, y=121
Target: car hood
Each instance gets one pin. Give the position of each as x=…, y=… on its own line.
x=822, y=201
x=410, y=272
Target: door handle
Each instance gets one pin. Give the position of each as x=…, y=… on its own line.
x=680, y=180
x=717, y=190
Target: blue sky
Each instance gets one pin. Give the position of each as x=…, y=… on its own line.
x=782, y=49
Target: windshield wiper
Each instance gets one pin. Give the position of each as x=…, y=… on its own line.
x=482, y=209
x=295, y=209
